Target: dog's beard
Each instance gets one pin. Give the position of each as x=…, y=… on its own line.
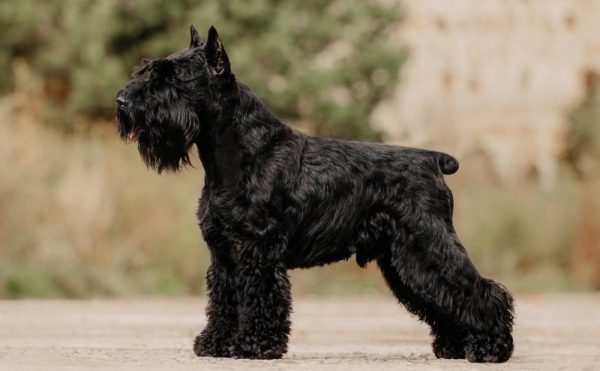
x=164, y=149
x=125, y=125
x=164, y=139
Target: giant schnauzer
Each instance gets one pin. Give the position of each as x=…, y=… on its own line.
x=276, y=199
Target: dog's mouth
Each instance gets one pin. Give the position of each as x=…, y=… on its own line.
x=134, y=134
x=128, y=129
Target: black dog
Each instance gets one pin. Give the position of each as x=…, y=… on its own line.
x=276, y=199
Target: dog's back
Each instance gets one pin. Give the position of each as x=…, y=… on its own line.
x=341, y=184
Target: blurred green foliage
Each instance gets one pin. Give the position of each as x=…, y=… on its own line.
x=582, y=156
x=321, y=63
x=582, y=150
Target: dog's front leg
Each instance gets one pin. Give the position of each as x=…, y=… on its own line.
x=216, y=338
x=264, y=304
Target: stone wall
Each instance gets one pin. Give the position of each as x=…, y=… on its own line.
x=492, y=80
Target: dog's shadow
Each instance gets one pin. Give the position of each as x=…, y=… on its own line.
x=360, y=356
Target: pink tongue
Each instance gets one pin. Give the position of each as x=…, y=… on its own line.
x=134, y=134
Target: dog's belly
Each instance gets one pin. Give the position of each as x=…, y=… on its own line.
x=321, y=241
x=324, y=238
x=312, y=255
x=327, y=240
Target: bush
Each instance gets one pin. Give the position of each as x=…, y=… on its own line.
x=325, y=63
x=582, y=150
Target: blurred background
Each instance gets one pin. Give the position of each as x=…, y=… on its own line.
x=510, y=87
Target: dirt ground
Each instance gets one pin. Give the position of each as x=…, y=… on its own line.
x=553, y=332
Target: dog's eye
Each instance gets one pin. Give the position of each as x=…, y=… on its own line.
x=163, y=67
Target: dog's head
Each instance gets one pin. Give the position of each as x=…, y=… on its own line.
x=167, y=101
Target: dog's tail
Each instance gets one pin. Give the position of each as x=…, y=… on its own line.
x=448, y=164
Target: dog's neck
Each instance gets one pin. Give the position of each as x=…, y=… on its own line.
x=232, y=141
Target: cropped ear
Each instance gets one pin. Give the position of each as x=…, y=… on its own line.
x=194, y=37
x=216, y=55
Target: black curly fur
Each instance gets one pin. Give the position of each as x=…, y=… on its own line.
x=276, y=199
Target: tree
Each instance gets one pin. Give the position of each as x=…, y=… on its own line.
x=321, y=63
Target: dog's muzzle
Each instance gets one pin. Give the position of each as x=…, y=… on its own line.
x=127, y=129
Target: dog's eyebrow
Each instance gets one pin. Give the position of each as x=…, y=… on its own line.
x=143, y=69
x=148, y=64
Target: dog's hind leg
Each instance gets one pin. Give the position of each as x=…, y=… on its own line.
x=436, y=278
x=448, y=340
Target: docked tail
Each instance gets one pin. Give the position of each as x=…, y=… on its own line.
x=448, y=164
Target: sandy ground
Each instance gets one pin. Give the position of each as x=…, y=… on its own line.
x=553, y=332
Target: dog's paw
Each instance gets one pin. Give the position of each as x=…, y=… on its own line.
x=448, y=348
x=489, y=348
x=250, y=352
x=252, y=347
x=212, y=344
